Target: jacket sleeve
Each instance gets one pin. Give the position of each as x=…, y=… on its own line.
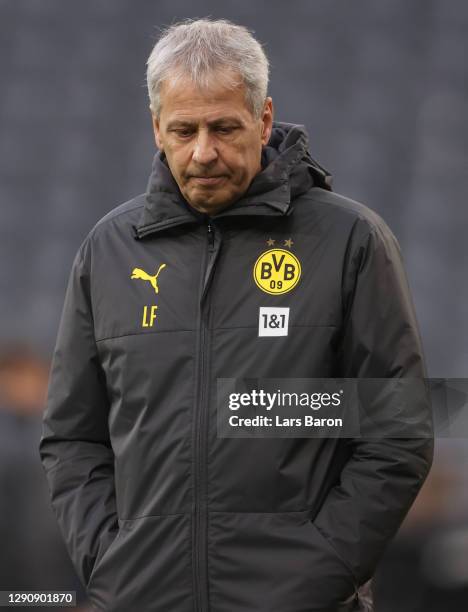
x=75, y=448
x=379, y=339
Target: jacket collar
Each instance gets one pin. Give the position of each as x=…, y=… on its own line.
x=287, y=171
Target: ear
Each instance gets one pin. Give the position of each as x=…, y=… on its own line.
x=157, y=132
x=267, y=120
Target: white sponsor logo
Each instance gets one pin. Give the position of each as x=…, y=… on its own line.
x=273, y=321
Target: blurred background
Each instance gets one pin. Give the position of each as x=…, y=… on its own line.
x=382, y=88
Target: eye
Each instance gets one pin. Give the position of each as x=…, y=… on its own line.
x=183, y=132
x=224, y=130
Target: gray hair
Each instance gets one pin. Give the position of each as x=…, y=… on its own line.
x=198, y=49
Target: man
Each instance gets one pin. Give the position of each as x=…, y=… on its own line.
x=164, y=299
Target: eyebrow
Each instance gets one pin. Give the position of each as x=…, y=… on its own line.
x=177, y=123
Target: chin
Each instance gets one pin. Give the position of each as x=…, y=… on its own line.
x=207, y=200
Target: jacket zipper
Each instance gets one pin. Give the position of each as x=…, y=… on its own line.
x=210, y=237
x=200, y=480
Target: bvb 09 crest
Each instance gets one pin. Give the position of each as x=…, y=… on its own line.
x=277, y=271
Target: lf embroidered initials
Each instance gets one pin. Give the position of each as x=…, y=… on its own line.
x=149, y=316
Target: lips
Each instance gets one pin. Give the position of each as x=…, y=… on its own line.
x=207, y=180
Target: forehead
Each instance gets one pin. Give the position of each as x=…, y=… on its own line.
x=185, y=101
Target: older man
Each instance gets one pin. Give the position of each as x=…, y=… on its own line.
x=237, y=263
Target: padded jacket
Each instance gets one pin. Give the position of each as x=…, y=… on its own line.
x=158, y=512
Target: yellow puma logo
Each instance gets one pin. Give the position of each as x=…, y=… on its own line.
x=141, y=274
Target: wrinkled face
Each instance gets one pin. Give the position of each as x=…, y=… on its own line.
x=211, y=140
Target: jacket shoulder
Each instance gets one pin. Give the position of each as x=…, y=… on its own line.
x=343, y=211
x=123, y=214
x=121, y=217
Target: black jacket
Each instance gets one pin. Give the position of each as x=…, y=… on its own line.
x=157, y=511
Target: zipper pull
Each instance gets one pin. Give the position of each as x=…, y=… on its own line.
x=210, y=236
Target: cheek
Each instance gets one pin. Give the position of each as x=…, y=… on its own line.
x=248, y=161
x=240, y=159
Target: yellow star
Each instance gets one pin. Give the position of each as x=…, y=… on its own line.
x=288, y=243
x=270, y=242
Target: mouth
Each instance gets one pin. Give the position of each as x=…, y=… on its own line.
x=207, y=180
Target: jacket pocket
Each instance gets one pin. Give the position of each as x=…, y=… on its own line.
x=101, y=558
x=274, y=562
x=361, y=599
x=339, y=560
x=146, y=567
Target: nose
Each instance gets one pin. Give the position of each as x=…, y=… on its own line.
x=205, y=152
